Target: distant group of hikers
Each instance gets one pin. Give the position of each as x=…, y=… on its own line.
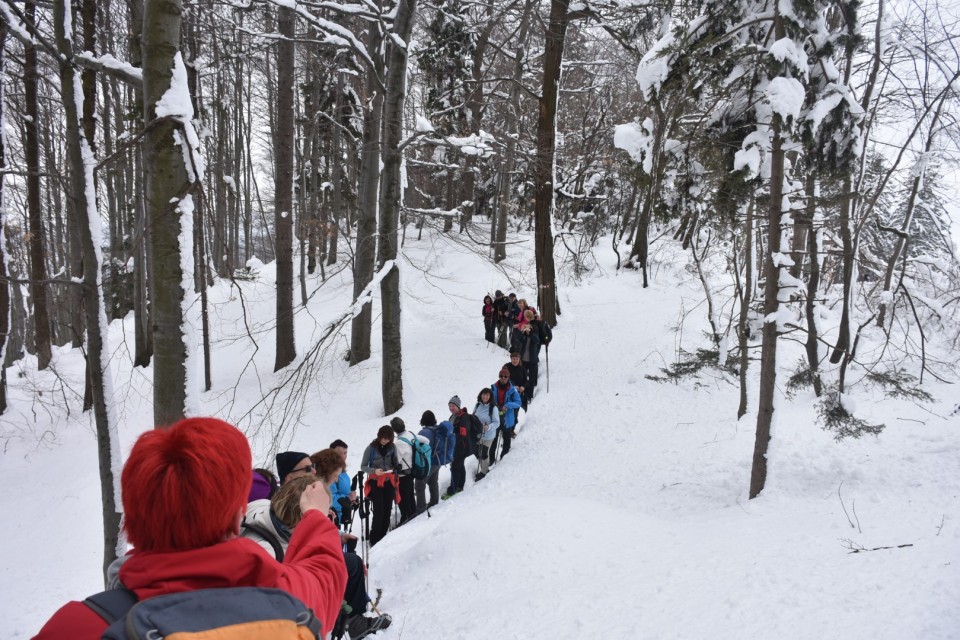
x=273, y=555
x=511, y=323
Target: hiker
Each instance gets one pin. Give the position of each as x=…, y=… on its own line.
x=529, y=347
x=264, y=526
x=264, y=485
x=185, y=491
x=294, y=464
x=518, y=376
x=489, y=415
x=380, y=463
x=501, y=305
x=507, y=399
x=489, y=319
x=329, y=465
x=460, y=419
x=512, y=312
x=344, y=494
x=437, y=437
x=403, y=441
x=273, y=534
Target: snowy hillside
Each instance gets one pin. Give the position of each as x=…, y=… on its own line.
x=621, y=511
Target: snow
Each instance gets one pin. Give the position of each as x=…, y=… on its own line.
x=423, y=125
x=789, y=50
x=784, y=96
x=636, y=139
x=655, y=66
x=621, y=511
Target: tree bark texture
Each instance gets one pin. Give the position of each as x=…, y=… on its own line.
x=166, y=184
x=771, y=289
x=545, y=158
x=81, y=190
x=4, y=287
x=38, y=257
x=365, y=254
x=390, y=195
x=286, y=349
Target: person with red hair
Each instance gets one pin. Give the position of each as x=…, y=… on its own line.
x=185, y=493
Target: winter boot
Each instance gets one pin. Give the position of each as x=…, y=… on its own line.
x=360, y=626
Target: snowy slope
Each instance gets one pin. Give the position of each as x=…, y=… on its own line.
x=621, y=511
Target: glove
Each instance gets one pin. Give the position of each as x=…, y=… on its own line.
x=503, y=412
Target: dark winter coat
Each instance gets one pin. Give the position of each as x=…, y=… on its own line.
x=518, y=374
x=501, y=306
x=467, y=429
x=528, y=344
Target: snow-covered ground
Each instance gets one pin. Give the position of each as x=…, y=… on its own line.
x=621, y=512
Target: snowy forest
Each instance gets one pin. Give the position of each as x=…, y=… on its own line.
x=183, y=181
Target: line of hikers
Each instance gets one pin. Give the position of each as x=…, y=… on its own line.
x=518, y=328
x=217, y=546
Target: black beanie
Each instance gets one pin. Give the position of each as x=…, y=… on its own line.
x=286, y=461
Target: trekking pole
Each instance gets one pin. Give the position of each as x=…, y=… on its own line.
x=547, y=347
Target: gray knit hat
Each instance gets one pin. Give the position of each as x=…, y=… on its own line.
x=456, y=400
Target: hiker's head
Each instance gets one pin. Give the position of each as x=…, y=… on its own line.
x=529, y=315
x=286, y=504
x=487, y=300
x=512, y=297
x=398, y=425
x=515, y=357
x=294, y=464
x=522, y=303
x=504, y=376
x=428, y=419
x=484, y=396
x=328, y=463
x=384, y=436
x=340, y=447
x=186, y=486
x=454, y=404
x=261, y=489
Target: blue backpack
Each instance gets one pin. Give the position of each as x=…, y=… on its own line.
x=421, y=458
x=442, y=440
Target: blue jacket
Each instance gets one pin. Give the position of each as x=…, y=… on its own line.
x=510, y=404
x=340, y=489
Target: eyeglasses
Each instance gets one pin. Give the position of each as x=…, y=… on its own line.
x=307, y=469
x=504, y=377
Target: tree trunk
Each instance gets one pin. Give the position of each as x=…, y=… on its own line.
x=545, y=159
x=364, y=258
x=4, y=287
x=813, y=284
x=746, y=299
x=81, y=185
x=167, y=184
x=283, y=179
x=390, y=196
x=513, y=128
x=31, y=143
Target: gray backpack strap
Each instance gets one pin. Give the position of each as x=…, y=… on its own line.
x=112, y=604
x=267, y=535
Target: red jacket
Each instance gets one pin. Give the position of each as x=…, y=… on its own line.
x=313, y=570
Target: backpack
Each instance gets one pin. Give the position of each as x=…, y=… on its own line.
x=249, y=612
x=476, y=431
x=443, y=441
x=421, y=458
